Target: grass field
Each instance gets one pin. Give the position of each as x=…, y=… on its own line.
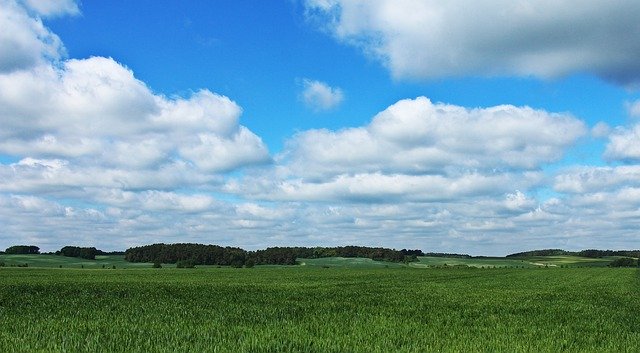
x=348, y=262
x=108, y=261
x=315, y=309
x=526, y=262
x=55, y=261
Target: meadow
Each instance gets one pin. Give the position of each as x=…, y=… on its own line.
x=319, y=309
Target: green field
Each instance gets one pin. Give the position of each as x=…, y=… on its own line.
x=108, y=261
x=527, y=262
x=348, y=262
x=316, y=309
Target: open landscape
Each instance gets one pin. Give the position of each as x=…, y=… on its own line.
x=347, y=176
x=334, y=304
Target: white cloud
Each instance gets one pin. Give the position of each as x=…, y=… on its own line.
x=319, y=96
x=49, y=8
x=418, y=136
x=544, y=38
x=600, y=130
x=94, y=113
x=634, y=109
x=24, y=41
x=588, y=179
x=624, y=144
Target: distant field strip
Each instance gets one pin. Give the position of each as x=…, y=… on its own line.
x=316, y=309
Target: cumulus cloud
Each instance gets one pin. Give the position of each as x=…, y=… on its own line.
x=624, y=144
x=95, y=113
x=319, y=96
x=24, y=41
x=586, y=179
x=417, y=136
x=543, y=38
x=419, y=151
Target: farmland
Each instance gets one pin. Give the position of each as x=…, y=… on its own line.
x=313, y=308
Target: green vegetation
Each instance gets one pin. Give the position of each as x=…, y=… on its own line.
x=315, y=309
x=515, y=262
x=200, y=254
x=22, y=249
x=624, y=262
x=348, y=262
x=592, y=253
x=76, y=251
x=55, y=261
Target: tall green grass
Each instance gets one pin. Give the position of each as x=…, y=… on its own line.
x=307, y=309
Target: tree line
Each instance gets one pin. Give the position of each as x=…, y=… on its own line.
x=88, y=253
x=200, y=254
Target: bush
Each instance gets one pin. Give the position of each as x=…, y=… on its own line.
x=185, y=264
x=2, y=264
x=157, y=265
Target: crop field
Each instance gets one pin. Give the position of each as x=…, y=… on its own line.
x=55, y=261
x=316, y=309
x=348, y=262
x=526, y=262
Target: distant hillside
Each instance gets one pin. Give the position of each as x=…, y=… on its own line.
x=591, y=253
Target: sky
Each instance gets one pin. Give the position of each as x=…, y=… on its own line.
x=485, y=127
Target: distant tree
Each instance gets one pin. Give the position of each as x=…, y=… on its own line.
x=22, y=249
x=157, y=265
x=249, y=263
x=81, y=252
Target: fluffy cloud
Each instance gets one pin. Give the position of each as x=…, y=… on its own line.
x=24, y=40
x=95, y=113
x=624, y=144
x=319, y=96
x=544, y=38
x=580, y=180
x=419, y=151
x=417, y=136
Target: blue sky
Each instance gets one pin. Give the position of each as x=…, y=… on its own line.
x=484, y=128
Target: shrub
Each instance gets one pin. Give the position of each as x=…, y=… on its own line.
x=185, y=264
x=157, y=265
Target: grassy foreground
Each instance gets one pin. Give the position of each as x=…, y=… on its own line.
x=315, y=309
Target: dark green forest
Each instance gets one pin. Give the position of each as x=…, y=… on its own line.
x=200, y=254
